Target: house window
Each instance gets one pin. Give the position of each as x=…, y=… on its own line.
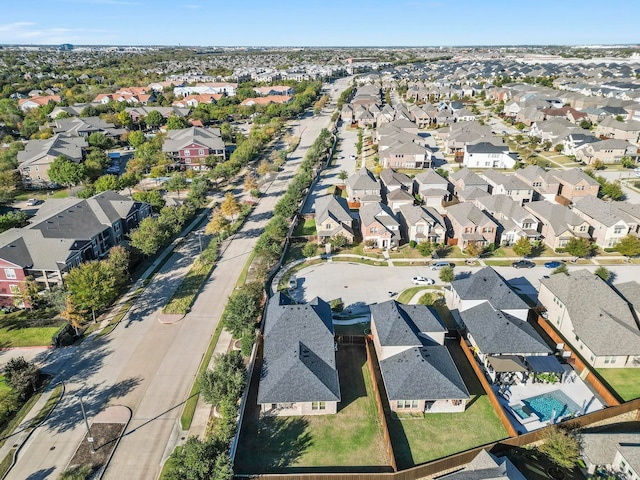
x=328, y=226
x=419, y=228
x=583, y=228
x=618, y=230
x=536, y=184
x=14, y=288
x=402, y=404
x=487, y=229
x=373, y=230
x=527, y=225
x=610, y=359
x=37, y=168
x=580, y=187
x=201, y=152
x=187, y=153
x=318, y=405
x=10, y=273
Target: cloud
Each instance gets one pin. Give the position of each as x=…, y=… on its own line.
x=12, y=27
x=30, y=32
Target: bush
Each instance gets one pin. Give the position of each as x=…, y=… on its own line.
x=22, y=375
x=248, y=339
x=412, y=244
x=309, y=249
x=337, y=305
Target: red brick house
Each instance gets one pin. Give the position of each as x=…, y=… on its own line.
x=191, y=146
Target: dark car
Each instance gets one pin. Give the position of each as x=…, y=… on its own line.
x=553, y=264
x=523, y=264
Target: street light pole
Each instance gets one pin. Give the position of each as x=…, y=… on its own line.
x=199, y=234
x=86, y=423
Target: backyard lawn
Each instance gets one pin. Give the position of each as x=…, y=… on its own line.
x=350, y=440
x=17, y=331
x=308, y=227
x=418, y=440
x=625, y=381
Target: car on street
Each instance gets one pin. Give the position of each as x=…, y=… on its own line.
x=293, y=282
x=352, y=157
x=523, y=264
x=423, y=281
x=441, y=265
x=553, y=264
x=637, y=171
x=32, y=202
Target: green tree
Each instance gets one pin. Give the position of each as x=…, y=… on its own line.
x=176, y=183
x=343, y=175
x=310, y=249
x=561, y=269
x=243, y=308
x=176, y=123
x=522, y=247
x=230, y=206
x=136, y=138
x=447, y=275
x=154, y=119
x=152, y=197
x=425, y=248
x=65, y=172
x=92, y=286
x=198, y=460
x=118, y=264
x=100, y=140
x=578, y=247
x=218, y=225
x=22, y=375
x=28, y=295
x=226, y=380
x=603, y=273
x=29, y=127
x=128, y=180
x=561, y=447
x=16, y=218
x=628, y=246
x=149, y=237
x=106, y=182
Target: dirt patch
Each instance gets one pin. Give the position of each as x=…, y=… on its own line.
x=105, y=437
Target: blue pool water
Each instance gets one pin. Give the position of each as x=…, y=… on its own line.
x=544, y=405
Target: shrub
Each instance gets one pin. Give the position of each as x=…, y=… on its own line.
x=412, y=244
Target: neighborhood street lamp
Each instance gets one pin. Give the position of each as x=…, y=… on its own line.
x=199, y=234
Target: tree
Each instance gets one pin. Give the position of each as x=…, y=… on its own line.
x=176, y=183
x=585, y=124
x=343, y=175
x=154, y=119
x=522, y=247
x=92, y=286
x=106, y=182
x=218, y=225
x=176, y=123
x=118, y=263
x=200, y=460
x=136, y=138
x=310, y=249
x=22, y=375
x=128, y=180
x=628, y=246
x=99, y=140
x=152, y=197
x=28, y=294
x=561, y=447
x=230, y=206
x=226, y=380
x=561, y=269
x=578, y=247
x=250, y=183
x=613, y=190
x=425, y=248
x=603, y=273
x=149, y=237
x=243, y=308
x=65, y=172
x=447, y=275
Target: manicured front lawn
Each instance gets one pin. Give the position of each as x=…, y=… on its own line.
x=418, y=440
x=351, y=438
x=625, y=381
x=308, y=227
x=27, y=337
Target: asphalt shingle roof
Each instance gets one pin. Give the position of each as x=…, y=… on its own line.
x=487, y=284
x=399, y=324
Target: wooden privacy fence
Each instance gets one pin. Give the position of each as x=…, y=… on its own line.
x=373, y=370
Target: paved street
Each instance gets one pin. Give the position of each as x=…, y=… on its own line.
x=146, y=365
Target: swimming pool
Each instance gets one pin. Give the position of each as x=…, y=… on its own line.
x=546, y=404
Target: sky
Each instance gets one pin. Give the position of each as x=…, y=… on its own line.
x=319, y=23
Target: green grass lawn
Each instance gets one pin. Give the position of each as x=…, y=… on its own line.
x=27, y=337
x=351, y=438
x=625, y=381
x=308, y=227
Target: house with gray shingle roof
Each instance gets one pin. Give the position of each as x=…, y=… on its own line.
x=418, y=372
x=62, y=235
x=432, y=188
x=494, y=319
x=608, y=224
x=487, y=467
x=190, y=146
x=544, y=184
x=617, y=452
x=465, y=178
x=509, y=185
x=593, y=318
x=379, y=225
x=612, y=128
x=363, y=187
x=333, y=218
x=421, y=224
x=558, y=224
x=514, y=221
x=469, y=224
x=608, y=151
x=488, y=153
x=299, y=375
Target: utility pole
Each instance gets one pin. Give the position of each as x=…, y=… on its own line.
x=86, y=422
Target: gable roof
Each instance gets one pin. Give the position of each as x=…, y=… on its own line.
x=392, y=178
x=178, y=139
x=70, y=147
x=574, y=176
x=466, y=212
x=299, y=362
x=399, y=324
x=487, y=284
x=497, y=332
x=431, y=177
x=363, y=179
x=604, y=212
x=416, y=213
x=601, y=318
x=334, y=207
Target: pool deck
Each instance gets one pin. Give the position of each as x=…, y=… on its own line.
x=577, y=390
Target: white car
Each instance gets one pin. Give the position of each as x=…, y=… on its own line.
x=423, y=281
x=352, y=157
x=32, y=202
x=637, y=171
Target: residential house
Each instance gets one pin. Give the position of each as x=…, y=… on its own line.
x=608, y=224
x=545, y=185
x=405, y=155
x=465, y=179
x=39, y=101
x=617, y=453
x=469, y=224
x=509, y=185
x=34, y=161
x=379, y=225
x=514, y=222
x=593, y=318
x=195, y=100
x=432, y=188
x=398, y=198
x=229, y=89
x=268, y=100
x=574, y=183
x=486, y=466
x=85, y=126
x=494, y=320
x=362, y=187
x=392, y=180
x=554, y=130
x=421, y=224
x=575, y=142
x=558, y=223
x=486, y=154
x=607, y=151
x=139, y=113
x=274, y=90
x=333, y=219
x=299, y=375
x=63, y=234
x=463, y=133
x=612, y=128
x=189, y=147
x=417, y=370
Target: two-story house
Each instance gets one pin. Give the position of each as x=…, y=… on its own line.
x=558, y=224
x=432, y=189
x=545, y=185
x=514, y=221
x=608, y=224
x=487, y=154
x=190, y=147
x=379, y=225
x=363, y=187
x=574, y=183
x=469, y=224
x=509, y=185
x=421, y=224
x=333, y=219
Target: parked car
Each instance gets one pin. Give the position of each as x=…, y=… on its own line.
x=523, y=264
x=441, y=265
x=293, y=282
x=423, y=281
x=352, y=157
x=32, y=202
x=553, y=264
